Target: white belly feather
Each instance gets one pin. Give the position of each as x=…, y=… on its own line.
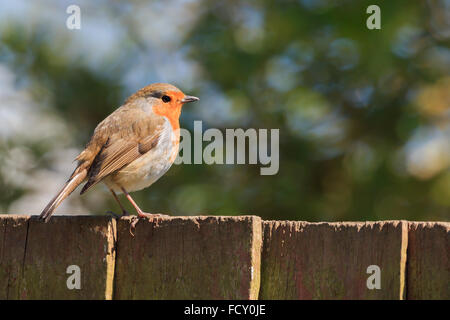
x=148, y=168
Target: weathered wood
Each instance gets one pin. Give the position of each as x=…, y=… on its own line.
x=189, y=258
x=303, y=260
x=84, y=241
x=428, y=268
x=13, y=237
x=220, y=258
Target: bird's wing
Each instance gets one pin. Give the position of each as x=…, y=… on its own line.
x=120, y=139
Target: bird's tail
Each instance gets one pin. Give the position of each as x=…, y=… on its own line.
x=71, y=184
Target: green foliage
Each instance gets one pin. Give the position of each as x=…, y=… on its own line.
x=347, y=101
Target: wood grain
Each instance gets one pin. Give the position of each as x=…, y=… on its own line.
x=231, y=257
x=303, y=260
x=189, y=258
x=43, y=251
x=13, y=238
x=428, y=268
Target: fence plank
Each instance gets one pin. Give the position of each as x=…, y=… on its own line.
x=189, y=258
x=428, y=270
x=329, y=260
x=84, y=241
x=13, y=236
x=220, y=258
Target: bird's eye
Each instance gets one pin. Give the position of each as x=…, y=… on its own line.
x=165, y=98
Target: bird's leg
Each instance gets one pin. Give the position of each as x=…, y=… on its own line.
x=124, y=211
x=141, y=214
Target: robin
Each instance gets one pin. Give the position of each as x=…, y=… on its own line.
x=132, y=148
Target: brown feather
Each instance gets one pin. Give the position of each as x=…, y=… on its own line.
x=122, y=147
x=77, y=178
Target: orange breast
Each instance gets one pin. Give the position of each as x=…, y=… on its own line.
x=171, y=110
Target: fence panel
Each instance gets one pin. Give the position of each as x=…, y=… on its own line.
x=85, y=242
x=303, y=260
x=189, y=258
x=13, y=237
x=428, y=271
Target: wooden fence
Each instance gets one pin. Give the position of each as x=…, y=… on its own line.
x=210, y=257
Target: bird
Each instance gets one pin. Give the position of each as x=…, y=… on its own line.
x=131, y=148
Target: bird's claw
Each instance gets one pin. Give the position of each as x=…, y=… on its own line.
x=133, y=223
x=149, y=216
x=118, y=216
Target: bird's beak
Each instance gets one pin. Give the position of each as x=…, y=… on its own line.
x=187, y=99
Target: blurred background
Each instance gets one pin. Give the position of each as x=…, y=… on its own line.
x=364, y=115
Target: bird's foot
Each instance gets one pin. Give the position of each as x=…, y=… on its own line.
x=118, y=216
x=149, y=216
x=152, y=215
